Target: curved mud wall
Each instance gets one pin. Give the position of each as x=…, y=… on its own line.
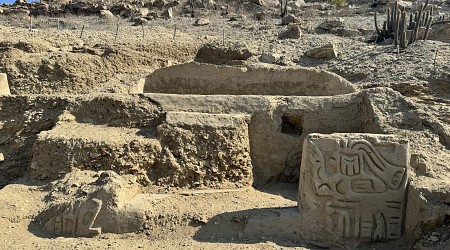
x=208, y=79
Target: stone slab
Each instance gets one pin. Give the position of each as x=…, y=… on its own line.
x=352, y=188
x=4, y=86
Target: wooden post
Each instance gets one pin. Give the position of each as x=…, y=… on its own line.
x=174, y=32
x=223, y=35
x=435, y=55
x=117, y=32
x=82, y=30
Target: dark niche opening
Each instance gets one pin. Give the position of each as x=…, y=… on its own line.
x=291, y=125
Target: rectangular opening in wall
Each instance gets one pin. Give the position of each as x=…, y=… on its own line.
x=291, y=125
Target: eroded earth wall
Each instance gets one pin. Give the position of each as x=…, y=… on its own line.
x=208, y=79
x=276, y=125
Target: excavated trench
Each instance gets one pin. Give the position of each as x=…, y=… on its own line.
x=285, y=104
x=195, y=126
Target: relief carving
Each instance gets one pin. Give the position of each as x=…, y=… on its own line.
x=76, y=219
x=361, y=169
x=361, y=191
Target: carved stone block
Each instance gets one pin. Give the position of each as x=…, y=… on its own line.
x=107, y=205
x=75, y=219
x=352, y=188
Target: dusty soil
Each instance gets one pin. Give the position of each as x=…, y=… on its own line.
x=21, y=201
x=88, y=56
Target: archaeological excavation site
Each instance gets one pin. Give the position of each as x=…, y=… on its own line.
x=225, y=124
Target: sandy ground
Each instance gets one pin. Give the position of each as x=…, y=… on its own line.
x=68, y=60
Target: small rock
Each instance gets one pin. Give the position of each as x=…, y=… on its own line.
x=139, y=21
x=325, y=52
x=289, y=19
x=143, y=11
x=332, y=24
x=434, y=238
x=160, y=3
x=167, y=14
x=153, y=15
x=106, y=14
x=268, y=58
x=223, y=10
x=258, y=2
x=420, y=164
x=2, y=158
x=293, y=32
x=296, y=4
x=236, y=219
x=200, y=219
x=260, y=16
x=101, y=6
x=316, y=6
x=233, y=18
x=201, y=22
x=282, y=61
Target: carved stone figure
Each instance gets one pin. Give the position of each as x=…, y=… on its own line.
x=77, y=219
x=90, y=205
x=352, y=188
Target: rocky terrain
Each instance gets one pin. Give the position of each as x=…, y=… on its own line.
x=188, y=124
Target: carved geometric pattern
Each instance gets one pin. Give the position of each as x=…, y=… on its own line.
x=360, y=191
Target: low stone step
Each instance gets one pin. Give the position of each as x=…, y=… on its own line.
x=95, y=147
x=186, y=150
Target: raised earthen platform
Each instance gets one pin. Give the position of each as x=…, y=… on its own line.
x=185, y=150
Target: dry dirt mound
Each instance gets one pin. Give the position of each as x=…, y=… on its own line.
x=441, y=32
x=41, y=66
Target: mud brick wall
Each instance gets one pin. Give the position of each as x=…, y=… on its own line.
x=207, y=79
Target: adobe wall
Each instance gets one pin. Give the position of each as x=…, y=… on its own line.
x=276, y=127
x=278, y=124
x=209, y=79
